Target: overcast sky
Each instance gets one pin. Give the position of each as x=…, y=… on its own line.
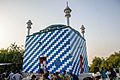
x=101, y=19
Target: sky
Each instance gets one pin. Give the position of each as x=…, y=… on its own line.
x=101, y=19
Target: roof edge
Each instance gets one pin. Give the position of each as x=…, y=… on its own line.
x=55, y=27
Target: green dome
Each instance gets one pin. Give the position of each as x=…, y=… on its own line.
x=53, y=27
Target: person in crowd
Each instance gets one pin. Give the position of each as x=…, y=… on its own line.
x=17, y=76
x=97, y=76
x=117, y=74
x=10, y=76
x=70, y=76
x=33, y=77
x=45, y=76
x=96, y=73
x=103, y=74
x=64, y=75
x=75, y=77
x=113, y=74
x=41, y=74
x=3, y=77
x=48, y=74
x=57, y=75
x=53, y=76
x=108, y=73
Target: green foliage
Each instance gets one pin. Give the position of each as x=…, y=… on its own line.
x=95, y=63
x=14, y=55
x=113, y=61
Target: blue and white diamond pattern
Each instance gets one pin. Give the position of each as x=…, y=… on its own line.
x=62, y=48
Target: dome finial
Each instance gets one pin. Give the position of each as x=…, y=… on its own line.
x=67, y=3
x=82, y=30
x=29, y=23
x=67, y=12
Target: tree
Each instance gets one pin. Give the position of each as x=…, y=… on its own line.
x=113, y=61
x=14, y=55
x=96, y=62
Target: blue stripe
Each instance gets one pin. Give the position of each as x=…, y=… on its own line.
x=57, y=52
x=78, y=52
x=85, y=62
x=78, y=60
x=58, y=46
x=31, y=49
x=73, y=44
x=54, y=43
x=65, y=60
x=27, y=38
x=83, y=59
x=67, y=50
x=31, y=44
x=35, y=50
x=49, y=42
x=75, y=53
x=36, y=44
x=31, y=59
x=27, y=42
x=83, y=56
x=35, y=67
x=76, y=64
x=38, y=48
x=77, y=67
x=31, y=65
x=74, y=40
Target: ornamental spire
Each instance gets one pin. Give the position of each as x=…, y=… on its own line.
x=82, y=30
x=29, y=23
x=67, y=12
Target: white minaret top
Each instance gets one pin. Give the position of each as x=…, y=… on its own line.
x=67, y=12
x=29, y=23
x=82, y=30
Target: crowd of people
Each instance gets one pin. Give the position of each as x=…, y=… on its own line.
x=54, y=76
x=103, y=74
x=106, y=74
x=11, y=76
x=41, y=76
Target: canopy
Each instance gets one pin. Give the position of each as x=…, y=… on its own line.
x=2, y=64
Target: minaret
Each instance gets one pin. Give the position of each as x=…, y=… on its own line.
x=29, y=23
x=82, y=30
x=67, y=12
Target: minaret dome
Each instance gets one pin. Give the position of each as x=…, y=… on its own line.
x=29, y=23
x=82, y=30
x=67, y=12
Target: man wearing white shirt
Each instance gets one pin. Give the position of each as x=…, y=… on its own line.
x=10, y=76
x=17, y=76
